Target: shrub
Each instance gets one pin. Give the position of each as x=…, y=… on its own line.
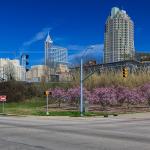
x=17, y=91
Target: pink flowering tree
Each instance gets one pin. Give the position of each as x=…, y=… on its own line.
x=133, y=97
x=112, y=96
x=145, y=92
x=103, y=96
x=73, y=95
x=59, y=94
x=120, y=92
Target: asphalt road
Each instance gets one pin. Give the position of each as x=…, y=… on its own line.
x=29, y=133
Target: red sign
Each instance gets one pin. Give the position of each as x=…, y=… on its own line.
x=2, y=98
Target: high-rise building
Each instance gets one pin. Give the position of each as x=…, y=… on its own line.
x=119, y=37
x=54, y=55
x=48, y=45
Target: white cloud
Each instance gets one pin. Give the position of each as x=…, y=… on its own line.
x=76, y=47
x=94, y=52
x=38, y=36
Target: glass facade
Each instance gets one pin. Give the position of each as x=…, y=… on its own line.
x=54, y=55
x=57, y=55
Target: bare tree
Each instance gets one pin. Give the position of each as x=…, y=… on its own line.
x=9, y=71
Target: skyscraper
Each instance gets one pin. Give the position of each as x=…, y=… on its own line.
x=119, y=37
x=48, y=45
x=54, y=55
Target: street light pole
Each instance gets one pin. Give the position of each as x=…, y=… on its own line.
x=81, y=81
x=81, y=88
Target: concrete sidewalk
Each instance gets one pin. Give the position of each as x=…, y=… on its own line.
x=144, y=115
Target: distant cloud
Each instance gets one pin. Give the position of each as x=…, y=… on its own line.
x=38, y=36
x=94, y=52
x=76, y=47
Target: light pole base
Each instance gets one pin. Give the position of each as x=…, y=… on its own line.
x=81, y=115
x=47, y=113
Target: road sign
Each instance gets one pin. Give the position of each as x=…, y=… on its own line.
x=3, y=98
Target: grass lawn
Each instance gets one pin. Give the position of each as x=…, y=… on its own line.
x=28, y=107
x=36, y=106
x=74, y=113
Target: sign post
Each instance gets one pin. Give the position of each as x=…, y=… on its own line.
x=3, y=99
x=47, y=94
x=3, y=107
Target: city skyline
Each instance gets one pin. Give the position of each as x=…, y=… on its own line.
x=72, y=24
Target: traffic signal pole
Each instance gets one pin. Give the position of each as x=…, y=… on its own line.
x=81, y=82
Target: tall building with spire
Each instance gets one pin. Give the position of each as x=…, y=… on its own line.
x=119, y=37
x=54, y=55
x=48, y=45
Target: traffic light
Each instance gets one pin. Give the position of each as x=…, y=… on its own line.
x=27, y=59
x=48, y=93
x=125, y=72
x=27, y=69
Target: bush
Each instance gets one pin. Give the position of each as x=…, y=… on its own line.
x=17, y=91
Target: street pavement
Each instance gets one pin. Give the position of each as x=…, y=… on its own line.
x=125, y=132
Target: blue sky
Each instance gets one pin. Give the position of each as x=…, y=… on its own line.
x=74, y=24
